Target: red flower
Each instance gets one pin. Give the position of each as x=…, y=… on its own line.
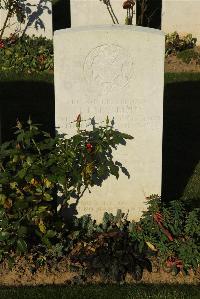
x=89, y=147
x=128, y=4
x=2, y=44
x=172, y=261
x=167, y=233
x=159, y=219
x=41, y=59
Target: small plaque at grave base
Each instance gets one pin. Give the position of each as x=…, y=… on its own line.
x=116, y=71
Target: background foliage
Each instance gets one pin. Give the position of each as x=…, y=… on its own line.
x=174, y=43
x=26, y=54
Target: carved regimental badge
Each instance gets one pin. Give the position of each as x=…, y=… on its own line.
x=107, y=67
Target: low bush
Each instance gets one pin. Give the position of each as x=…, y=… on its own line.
x=26, y=54
x=174, y=43
x=169, y=234
x=189, y=55
x=35, y=166
x=172, y=231
x=107, y=249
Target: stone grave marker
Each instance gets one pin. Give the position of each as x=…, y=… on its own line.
x=38, y=20
x=95, y=12
x=117, y=71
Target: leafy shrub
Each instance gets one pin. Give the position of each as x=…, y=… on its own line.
x=26, y=54
x=188, y=55
x=174, y=43
x=107, y=249
x=117, y=247
x=172, y=231
x=35, y=166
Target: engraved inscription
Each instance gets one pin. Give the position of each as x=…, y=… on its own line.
x=108, y=66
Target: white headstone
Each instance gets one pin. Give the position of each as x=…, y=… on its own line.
x=116, y=71
x=95, y=12
x=38, y=20
x=181, y=16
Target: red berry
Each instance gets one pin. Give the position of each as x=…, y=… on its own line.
x=89, y=146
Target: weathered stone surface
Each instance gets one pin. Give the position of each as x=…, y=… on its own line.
x=116, y=71
x=94, y=12
x=38, y=19
x=181, y=16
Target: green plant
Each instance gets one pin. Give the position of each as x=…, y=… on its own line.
x=188, y=55
x=174, y=43
x=26, y=54
x=27, y=194
x=172, y=232
x=107, y=249
x=128, y=5
x=34, y=166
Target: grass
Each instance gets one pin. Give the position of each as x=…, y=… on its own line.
x=12, y=76
x=46, y=77
x=136, y=291
x=181, y=77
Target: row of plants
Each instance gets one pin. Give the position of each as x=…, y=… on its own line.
x=183, y=47
x=26, y=54
x=174, y=43
x=35, y=168
x=167, y=236
x=189, y=55
x=35, y=54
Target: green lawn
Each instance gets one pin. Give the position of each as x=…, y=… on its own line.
x=12, y=76
x=136, y=291
x=181, y=77
x=169, y=77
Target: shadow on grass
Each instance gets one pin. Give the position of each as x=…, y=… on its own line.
x=19, y=99
x=181, y=128
x=181, y=136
